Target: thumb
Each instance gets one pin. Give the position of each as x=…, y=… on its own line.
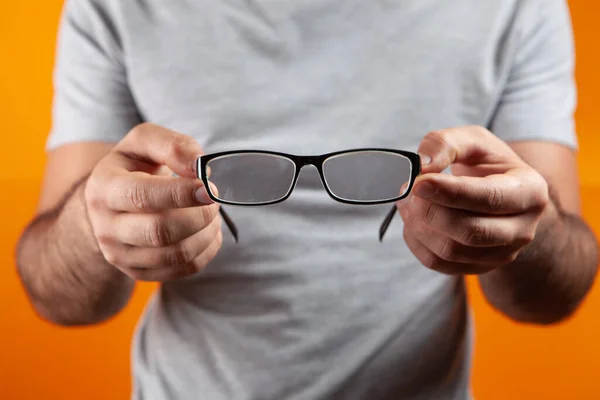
x=469, y=145
x=159, y=146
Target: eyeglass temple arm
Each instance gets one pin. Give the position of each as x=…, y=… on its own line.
x=229, y=222
x=382, y=230
x=387, y=221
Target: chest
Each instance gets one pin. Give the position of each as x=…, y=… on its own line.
x=309, y=76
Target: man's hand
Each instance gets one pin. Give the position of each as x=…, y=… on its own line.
x=151, y=225
x=480, y=217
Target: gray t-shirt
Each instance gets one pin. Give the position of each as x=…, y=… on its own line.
x=309, y=304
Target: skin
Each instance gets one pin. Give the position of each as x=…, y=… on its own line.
x=507, y=215
x=111, y=215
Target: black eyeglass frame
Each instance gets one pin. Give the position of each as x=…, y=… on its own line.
x=317, y=161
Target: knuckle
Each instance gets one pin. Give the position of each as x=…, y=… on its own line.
x=495, y=198
x=113, y=258
x=448, y=249
x=477, y=232
x=93, y=197
x=437, y=135
x=177, y=146
x=542, y=197
x=455, y=193
x=177, y=255
x=539, y=190
x=94, y=201
x=214, y=250
x=140, y=129
x=193, y=268
x=530, y=238
x=441, y=137
x=182, y=270
x=103, y=237
x=137, y=197
x=526, y=237
x=541, y=202
x=179, y=197
x=219, y=239
x=479, y=130
x=429, y=211
x=510, y=258
x=208, y=214
x=204, y=259
x=159, y=233
x=431, y=261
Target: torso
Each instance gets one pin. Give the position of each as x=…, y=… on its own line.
x=309, y=304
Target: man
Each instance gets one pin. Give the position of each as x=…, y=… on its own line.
x=309, y=305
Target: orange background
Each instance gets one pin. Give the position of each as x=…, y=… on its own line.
x=40, y=361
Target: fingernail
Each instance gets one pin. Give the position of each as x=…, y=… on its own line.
x=425, y=190
x=425, y=159
x=213, y=190
x=202, y=196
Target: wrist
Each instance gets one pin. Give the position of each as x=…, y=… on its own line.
x=74, y=226
x=553, y=224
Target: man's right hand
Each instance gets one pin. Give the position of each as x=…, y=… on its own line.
x=149, y=224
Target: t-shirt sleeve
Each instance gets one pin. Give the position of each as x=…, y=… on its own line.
x=539, y=97
x=92, y=100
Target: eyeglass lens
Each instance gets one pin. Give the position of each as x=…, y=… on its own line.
x=365, y=176
x=248, y=178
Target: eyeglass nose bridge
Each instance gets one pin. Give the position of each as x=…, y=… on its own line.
x=315, y=161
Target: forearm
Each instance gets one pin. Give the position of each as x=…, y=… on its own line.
x=552, y=275
x=63, y=271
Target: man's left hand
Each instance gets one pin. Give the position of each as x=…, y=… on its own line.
x=482, y=215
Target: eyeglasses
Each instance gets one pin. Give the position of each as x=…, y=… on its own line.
x=366, y=176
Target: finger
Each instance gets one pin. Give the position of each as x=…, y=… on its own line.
x=164, y=171
x=162, y=229
x=180, y=254
x=433, y=262
x=404, y=188
x=448, y=249
x=157, y=145
x=140, y=192
x=470, y=228
x=467, y=145
x=164, y=274
x=210, y=252
x=512, y=193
